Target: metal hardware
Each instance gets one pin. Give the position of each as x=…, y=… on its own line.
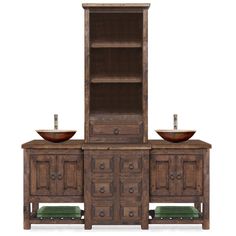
x=131, y=214
x=101, y=214
x=175, y=121
x=102, y=190
x=102, y=166
x=55, y=121
x=53, y=176
x=131, y=166
x=131, y=190
x=116, y=131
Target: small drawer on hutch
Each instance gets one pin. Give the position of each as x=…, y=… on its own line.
x=115, y=129
x=102, y=212
x=102, y=164
x=130, y=213
x=102, y=188
x=130, y=188
x=130, y=164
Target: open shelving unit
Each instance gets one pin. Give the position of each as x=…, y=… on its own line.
x=116, y=74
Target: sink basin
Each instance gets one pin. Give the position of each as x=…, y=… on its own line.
x=176, y=136
x=56, y=136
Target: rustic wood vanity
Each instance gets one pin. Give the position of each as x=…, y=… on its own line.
x=116, y=171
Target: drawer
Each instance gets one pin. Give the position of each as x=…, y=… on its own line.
x=131, y=164
x=102, y=164
x=102, y=212
x=130, y=188
x=115, y=129
x=130, y=213
x=102, y=188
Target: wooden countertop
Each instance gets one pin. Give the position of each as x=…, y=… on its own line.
x=116, y=5
x=152, y=144
x=41, y=144
x=190, y=144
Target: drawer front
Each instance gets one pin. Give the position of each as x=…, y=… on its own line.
x=102, y=164
x=130, y=188
x=102, y=188
x=102, y=212
x=130, y=213
x=115, y=129
x=130, y=164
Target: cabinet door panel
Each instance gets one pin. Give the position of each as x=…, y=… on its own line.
x=162, y=175
x=189, y=174
x=70, y=175
x=43, y=175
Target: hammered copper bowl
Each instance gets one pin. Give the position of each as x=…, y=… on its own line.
x=176, y=136
x=56, y=136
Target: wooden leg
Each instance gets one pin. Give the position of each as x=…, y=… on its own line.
x=206, y=222
x=87, y=226
x=206, y=197
x=144, y=225
x=197, y=205
x=27, y=224
x=35, y=207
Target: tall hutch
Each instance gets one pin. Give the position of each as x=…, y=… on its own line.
x=116, y=171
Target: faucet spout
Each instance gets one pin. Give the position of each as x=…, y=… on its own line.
x=175, y=121
x=55, y=121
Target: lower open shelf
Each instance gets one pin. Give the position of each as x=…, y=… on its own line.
x=175, y=215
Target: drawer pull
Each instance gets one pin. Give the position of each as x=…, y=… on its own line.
x=131, y=190
x=102, y=166
x=116, y=131
x=59, y=176
x=179, y=176
x=53, y=176
x=102, y=190
x=131, y=214
x=101, y=213
x=172, y=177
x=131, y=166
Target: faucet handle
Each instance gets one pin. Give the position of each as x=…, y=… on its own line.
x=175, y=121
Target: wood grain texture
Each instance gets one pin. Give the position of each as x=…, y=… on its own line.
x=86, y=73
x=116, y=5
x=145, y=76
x=190, y=144
x=42, y=144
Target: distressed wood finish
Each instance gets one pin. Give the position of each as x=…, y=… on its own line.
x=116, y=186
x=179, y=173
x=116, y=73
x=52, y=173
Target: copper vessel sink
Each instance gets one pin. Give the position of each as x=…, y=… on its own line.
x=55, y=135
x=175, y=135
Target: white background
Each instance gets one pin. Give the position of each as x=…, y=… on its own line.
x=192, y=61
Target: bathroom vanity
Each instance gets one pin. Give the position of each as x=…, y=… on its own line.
x=116, y=171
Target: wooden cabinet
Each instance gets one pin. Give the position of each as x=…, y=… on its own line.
x=116, y=73
x=179, y=173
x=116, y=186
x=176, y=175
x=52, y=173
x=56, y=174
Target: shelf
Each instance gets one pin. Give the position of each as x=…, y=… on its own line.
x=107, y=44
x=116, y=79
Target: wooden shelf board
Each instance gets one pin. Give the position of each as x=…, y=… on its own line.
x=116, y=79
x=107, y=44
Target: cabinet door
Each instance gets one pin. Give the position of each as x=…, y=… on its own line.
x=70, y=175
x=162, y=168
x=43, y=174
x=189, y=175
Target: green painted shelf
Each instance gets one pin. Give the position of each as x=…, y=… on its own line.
x=176, y=212
x=59, y=211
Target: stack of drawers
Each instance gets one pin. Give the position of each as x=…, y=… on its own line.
x=116, y=186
